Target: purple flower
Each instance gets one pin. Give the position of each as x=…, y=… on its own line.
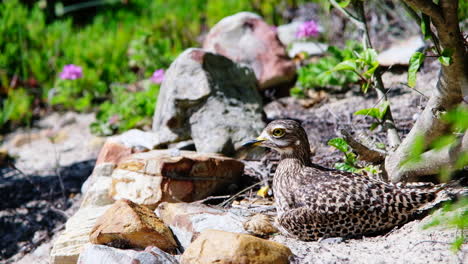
x=113, y=120
x=158, y=76
x=307, y=29
x=71, y=72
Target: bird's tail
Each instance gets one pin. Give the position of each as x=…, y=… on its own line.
x=444, y=192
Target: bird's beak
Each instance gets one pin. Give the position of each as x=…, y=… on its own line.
x=254, y=142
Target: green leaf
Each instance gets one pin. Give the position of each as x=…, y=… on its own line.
x=434, y=222
x=345, y=167
x=297, y=92
x=6, y=111
x=426, y=26
x=462, y=160
x=373, y=112
x=345, y=65
x=371, y=70
x=374, y=126
x=445, y=60
x=371, y=169
x=383, y=109
x=456, y=245
x=417, y=148
x=350, y=158
x=369, y=56
x=458, y=118
x=340, y=144
x=344, y=3
x=414, y=63
x=446, y=57
x=365, y=86
x=380, y=145
x=443, y=141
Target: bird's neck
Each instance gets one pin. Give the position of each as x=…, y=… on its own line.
x=300, y=156
x=286, y=181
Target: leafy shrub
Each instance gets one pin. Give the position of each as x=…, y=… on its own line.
x=318, y=74
x=350, y=163
x=16, y=106
x=126, y=110
x=122, y=43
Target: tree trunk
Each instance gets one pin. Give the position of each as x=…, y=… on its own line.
x=451, y=89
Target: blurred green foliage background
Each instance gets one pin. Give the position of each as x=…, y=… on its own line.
x=116, y=43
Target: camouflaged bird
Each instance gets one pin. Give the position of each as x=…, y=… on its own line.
x=314, y=202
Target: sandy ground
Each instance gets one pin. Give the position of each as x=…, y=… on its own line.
x=408, y=244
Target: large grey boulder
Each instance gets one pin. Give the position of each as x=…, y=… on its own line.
x=208, y=98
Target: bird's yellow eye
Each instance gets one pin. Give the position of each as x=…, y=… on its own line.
x=278, y=132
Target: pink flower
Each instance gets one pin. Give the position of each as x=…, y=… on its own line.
x=158, y=76
x=307, y=29
x=71, y=72
x=113, y=120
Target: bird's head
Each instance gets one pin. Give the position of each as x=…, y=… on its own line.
x=285, y=136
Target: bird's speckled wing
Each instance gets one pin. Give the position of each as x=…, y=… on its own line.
x=331, y=203
x=335, y=191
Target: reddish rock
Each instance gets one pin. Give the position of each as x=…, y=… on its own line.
x=113, y=152
x=157, y=176
x=121, y=146
x=247, y=39
x=127, y=224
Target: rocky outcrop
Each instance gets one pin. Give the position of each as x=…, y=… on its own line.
x=96, y=187
x=187, y=220
x=70, y=243
x=157, y=176
x=214, y=246
x=96, y=200
x=100, y=254
x=247, y=39
x=210, y=99
x=126, y=224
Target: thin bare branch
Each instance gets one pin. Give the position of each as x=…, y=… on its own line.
x=388, y=123
x=346, y=13
x=366, y=153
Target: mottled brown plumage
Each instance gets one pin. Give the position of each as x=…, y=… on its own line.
x=315, y=203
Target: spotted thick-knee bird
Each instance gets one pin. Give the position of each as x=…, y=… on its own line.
x=313, y=202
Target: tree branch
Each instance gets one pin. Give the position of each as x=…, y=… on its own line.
x=429, y=8
x=388, y=123
x=365, y=152
x=416, y=17
x=448, y=94
x=433, y=161
x=347, y=14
